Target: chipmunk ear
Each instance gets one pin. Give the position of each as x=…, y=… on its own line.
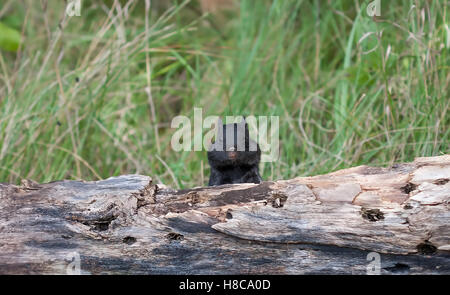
x=243, y=122
x=219, y=129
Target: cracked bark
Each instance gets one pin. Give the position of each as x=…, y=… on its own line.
x=321, y=224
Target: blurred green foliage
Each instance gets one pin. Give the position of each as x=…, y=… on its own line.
x=94, y=96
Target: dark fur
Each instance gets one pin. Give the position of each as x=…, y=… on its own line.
x=234, y=166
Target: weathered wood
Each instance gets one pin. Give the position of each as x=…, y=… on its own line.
x=322, y=224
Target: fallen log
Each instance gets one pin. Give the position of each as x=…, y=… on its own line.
x=306, y=225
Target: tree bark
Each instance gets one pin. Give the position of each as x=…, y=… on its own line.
x=322, y=224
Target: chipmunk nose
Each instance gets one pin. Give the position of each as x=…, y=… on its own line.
x=231, y=152
x=232, y=155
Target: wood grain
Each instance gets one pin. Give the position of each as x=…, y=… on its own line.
x=321, y=224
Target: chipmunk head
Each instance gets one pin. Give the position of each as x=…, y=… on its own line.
x=233, y=146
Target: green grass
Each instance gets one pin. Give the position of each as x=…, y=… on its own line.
x=342, y=99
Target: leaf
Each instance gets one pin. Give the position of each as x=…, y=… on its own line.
x=9, y=38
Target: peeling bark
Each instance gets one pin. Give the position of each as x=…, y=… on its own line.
x=321, y=224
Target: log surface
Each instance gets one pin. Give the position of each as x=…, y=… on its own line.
x=325, y=224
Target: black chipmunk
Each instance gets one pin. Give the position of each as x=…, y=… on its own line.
x=234, y=157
